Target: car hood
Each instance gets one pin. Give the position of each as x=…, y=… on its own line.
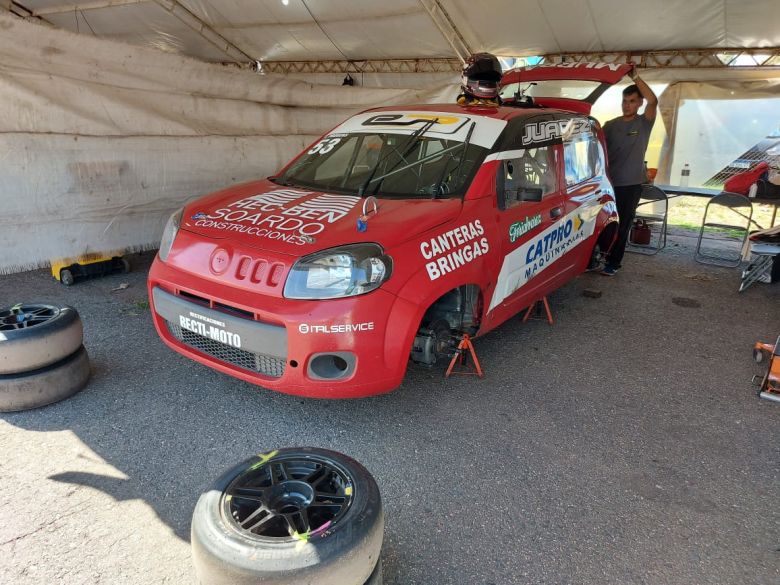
x=299, y=221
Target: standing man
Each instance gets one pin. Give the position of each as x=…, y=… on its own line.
x=627, y=138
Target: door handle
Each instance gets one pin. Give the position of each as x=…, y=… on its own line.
x=556, y=212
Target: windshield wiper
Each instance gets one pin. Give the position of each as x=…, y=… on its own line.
x=279, y=181
x=414, y=139
x=466, y=142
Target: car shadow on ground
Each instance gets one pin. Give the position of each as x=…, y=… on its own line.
x=586, y=412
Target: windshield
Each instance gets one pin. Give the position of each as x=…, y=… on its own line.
x=576, y=89
x=388, y=165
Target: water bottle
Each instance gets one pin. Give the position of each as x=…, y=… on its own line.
x=685, y=175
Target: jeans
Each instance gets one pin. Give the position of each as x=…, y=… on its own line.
x=627, y=198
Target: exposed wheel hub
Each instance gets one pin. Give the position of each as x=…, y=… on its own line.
x=433, y=343
x=24, y=316
x=290, y=497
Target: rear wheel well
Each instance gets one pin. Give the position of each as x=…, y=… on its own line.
x=607, y=237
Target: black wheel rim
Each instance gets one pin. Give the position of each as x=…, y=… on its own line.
x=288, y=497
x=25, y=316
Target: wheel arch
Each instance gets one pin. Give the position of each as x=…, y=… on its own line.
x=439, y=321
x=462, y=306
x=608, y=236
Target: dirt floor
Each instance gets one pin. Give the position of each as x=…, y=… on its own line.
x=624, y=444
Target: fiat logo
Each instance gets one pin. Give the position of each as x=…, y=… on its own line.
x=220, y=260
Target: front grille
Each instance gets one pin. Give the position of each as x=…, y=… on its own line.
x=233, y=310
x=195, y=298
x=254, y=362
x=216, y=305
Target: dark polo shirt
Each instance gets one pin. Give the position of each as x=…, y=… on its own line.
x=626, y=146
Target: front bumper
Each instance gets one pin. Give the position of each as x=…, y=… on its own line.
x=339, y=348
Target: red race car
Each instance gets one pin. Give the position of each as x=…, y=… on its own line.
x=390, y=237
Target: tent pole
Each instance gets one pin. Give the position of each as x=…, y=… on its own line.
x=191, y=20
x=446, y=27
x=80, y=7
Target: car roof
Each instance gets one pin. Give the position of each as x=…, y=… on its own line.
x=498, y=113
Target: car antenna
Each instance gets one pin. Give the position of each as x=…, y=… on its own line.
x=521, y=98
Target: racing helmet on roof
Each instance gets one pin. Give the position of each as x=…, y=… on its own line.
x=481, y=77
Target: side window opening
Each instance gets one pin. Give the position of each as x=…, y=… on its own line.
x=582, y=158
x=527, y=177
x=594, y=154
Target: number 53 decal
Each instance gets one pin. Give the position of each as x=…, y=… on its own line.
x=324, y=146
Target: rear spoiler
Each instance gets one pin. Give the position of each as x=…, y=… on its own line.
x=605, y=74
x=609, y=73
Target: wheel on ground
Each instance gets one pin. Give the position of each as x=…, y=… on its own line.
x=45, y=385
x=36, y=335
x=300, y=515
x=758, y=356
x=66, y=277
x=596, y=258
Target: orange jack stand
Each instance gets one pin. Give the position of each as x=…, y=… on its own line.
x=543, y=300
x=460, y=357
x=770, y=385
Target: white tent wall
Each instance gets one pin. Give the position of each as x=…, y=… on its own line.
x=741, y=85
x=100, y=141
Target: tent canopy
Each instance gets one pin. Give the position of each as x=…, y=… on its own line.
x=309, y=30
x=102, y=139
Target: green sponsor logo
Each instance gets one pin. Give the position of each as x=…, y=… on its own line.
x=519, y=228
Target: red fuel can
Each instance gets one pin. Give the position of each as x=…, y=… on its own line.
x=640, y=232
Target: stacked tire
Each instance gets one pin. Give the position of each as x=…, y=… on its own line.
x=299, y=516
x=42, y=358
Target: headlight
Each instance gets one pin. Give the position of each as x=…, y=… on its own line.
x=169, y=233
x=345, y=271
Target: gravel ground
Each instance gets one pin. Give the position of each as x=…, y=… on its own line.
x=624, y=444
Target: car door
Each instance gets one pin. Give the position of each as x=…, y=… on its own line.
x=530, y=202
x=585, y=187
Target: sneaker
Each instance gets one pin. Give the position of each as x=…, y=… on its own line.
x=595, y=268
x=609, y=271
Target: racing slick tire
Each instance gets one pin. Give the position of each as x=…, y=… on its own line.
x=298, y=515
x=33, y=336
x=376, y=576
x=596, y=259
x=45, y=385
